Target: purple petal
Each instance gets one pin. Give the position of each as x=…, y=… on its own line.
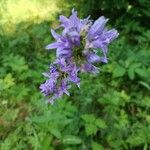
x=109, y=36
x=64, y=20
x=48, y=87
x=63, y=52
x=105, y=38
x=51, y=100
x=89, y=68
x=60, y=61
x=63, y=88
x=93, y=58
x=97, y=43
x=75, y=21
x=53, y=45
x=54, y=34
x=97, y=27
x=104, y=59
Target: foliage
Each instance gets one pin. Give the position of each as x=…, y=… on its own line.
x=111, y=111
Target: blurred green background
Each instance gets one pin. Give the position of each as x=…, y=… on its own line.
x=111, y=111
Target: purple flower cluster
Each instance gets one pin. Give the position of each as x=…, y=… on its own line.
x=77, y=49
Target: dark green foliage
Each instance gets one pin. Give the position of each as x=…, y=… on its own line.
x=111, y=111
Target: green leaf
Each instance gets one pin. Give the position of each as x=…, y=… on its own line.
x=8, y=81
x=2, y=85
x=142, y=72
x=145, y=146
x=55, y=132
x=46, y=142
x=146, y=85
x=71, y=140
x=131, y=73
x=100, y=123
x=90, y=118
x=91, y=129
x=97, y=146
x=17, y=63
x=42, y=119
x=136, y=140
x=119, y=71
x=139, y=137
x=11, y=115
x=131, y=70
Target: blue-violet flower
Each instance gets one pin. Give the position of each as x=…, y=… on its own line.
x=77, y=49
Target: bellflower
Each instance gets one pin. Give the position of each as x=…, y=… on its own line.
x=77, y=49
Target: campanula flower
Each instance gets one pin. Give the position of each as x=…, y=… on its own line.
x=77, y=51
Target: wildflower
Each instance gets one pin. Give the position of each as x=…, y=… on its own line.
x=77, y=49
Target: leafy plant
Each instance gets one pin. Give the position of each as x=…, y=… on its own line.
x=111, y=112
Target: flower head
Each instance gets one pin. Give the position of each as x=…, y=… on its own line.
x=76, y=51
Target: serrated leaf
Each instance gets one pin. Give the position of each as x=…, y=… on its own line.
x=8, y=81
x=136, y=140
x=17, y=63
x=119, y=71
x=100, y=123
x=91, y=129
x=131, y=70
x=142, y=72
x=131, y=73
x=11, y=114
x=88, y=118
x=55, y=132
